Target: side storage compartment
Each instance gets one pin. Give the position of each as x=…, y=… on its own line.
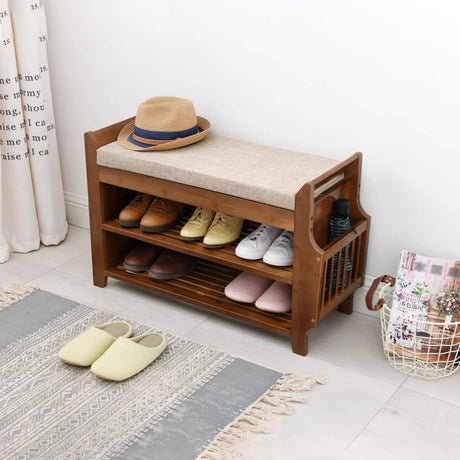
x=321, y=282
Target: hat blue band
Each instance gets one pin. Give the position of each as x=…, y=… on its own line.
x=139, y=144
x=164, y=135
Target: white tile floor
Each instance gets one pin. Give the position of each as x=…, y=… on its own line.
x=365, y=410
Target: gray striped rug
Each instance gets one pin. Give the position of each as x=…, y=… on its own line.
x=192, y=402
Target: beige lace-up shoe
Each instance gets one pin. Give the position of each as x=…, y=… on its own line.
x=132, y=213
x=198, y=224
x=223, y=231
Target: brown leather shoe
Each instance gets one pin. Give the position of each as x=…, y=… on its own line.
x=141, y=258
x=132, y=213
x=172, y=264
x=161, y=215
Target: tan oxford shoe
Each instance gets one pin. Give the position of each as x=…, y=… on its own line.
x=132, y=213
x=161, y=215
x=198, y=224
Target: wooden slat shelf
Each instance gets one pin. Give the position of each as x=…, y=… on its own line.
x=204, y=287
x=226, y=256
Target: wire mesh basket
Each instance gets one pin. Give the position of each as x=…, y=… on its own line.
x=414, y=345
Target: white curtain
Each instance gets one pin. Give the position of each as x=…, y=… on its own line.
x=32, y=198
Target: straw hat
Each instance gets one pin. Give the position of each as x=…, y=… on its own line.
x=163, y=123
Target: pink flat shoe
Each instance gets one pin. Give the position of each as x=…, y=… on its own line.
x=247, y=287
x=277, y=298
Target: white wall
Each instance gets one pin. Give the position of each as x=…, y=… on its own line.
x=327, y=77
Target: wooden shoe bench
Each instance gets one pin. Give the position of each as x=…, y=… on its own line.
x=275, y=188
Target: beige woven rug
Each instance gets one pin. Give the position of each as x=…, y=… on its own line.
x=192, y=402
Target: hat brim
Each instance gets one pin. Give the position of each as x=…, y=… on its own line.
x=125, y=138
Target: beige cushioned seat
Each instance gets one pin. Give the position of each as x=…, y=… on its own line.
x=265, y=174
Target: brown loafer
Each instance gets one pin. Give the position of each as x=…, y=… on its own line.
x=132, y=213
x=161, y=215
x=141, y=258
x=172, y=264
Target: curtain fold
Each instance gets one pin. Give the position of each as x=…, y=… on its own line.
x=32, y=201
x=4, y=247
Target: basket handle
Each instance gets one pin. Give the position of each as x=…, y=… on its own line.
x=370, y=293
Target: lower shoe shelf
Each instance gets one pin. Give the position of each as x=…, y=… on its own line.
x=204, y=286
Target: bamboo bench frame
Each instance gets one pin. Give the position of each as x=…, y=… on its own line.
x=313, y=296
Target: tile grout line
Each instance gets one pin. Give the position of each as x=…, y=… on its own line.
x=430, y=397
x=55, y=267
x=30, y=282
x=399, y=387
x=197, y=325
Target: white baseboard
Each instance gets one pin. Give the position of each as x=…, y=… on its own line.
x=359, y=298
x=77, y=209
x=368, y=280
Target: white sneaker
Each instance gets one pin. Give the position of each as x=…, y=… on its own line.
x=254, y=246
x=281, y=252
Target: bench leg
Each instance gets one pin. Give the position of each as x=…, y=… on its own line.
x=299, y=342
x=346, y=306
x=99, y=279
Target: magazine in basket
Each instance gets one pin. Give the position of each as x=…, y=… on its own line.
x=425, y=314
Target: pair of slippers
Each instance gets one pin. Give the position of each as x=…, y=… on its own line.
x=110, y=351
x=267, y=294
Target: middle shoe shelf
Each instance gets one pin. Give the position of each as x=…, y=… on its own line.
x=170, y=239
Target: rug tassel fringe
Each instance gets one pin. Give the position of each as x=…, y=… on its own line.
x=13, y=293
x=257, y=417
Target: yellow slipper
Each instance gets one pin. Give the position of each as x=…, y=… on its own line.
x=127, y=357
x=84, y=349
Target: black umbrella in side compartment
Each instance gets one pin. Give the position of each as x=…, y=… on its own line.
x=339, y=223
